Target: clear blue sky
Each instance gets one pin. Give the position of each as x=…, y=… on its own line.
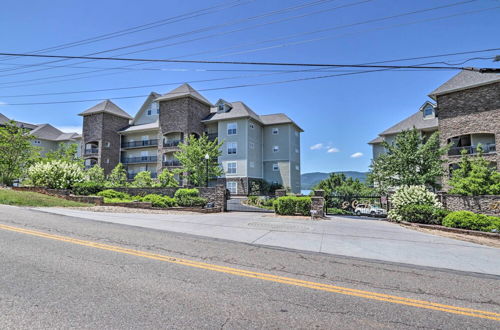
x=341, y=113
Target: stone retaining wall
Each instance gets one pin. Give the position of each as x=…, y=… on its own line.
x=63, y=193
x=486, y=204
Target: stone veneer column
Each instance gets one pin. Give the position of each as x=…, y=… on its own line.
x=318, y=204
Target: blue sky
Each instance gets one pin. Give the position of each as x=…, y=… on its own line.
x=339, y=114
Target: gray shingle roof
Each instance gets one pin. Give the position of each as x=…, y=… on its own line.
x=143, y=127
x=108, y=107
x=49, y=132
x=414, y=121
x=238, y=110
x=465, y=79
x=377, y=140
x=183, y=91
x=4, y=119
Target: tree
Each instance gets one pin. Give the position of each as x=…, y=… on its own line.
x=118, y=176
x=56, y=174
x=65, y=152
x=143, y=180
x=410, y=160
x=95, y=174
x=192, y=158
x=474, y=176
x=166, y=179
x=16, y=152
x=337, y=184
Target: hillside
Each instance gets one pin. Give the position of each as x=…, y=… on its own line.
x=309, y=180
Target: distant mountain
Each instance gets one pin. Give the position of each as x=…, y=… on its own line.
x=309, y=180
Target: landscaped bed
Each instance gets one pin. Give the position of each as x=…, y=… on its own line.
x=25, y=198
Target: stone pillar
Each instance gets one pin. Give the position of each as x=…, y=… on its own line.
x=221, y=198
x=280, y=192
x=318, y=204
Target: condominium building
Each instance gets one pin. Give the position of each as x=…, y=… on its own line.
x=255, y=147
x=47, y=137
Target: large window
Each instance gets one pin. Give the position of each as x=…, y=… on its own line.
x=232, y=187
x=428, y=111
x=276, y=130
x=276, y=149
x=231, y=168
x=276, y=167
x=232, y=128
x=232, y=148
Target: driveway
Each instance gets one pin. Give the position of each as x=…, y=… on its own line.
x=369, y=239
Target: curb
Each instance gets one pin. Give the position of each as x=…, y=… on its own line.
x=452, y=230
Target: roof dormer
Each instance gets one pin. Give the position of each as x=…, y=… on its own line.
x=428, y=110
x=223, y=106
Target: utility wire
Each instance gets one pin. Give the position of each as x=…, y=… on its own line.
x=317, y=31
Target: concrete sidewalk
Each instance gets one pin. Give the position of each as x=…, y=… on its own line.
x=370, y=239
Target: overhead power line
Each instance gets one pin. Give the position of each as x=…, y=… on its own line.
x=250, y=63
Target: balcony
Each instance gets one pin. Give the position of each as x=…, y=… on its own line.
x=171, y=163
x=91, y=151
x=212, y=136
x=141, y=159
x=171, y=143
x=470, y=150
x=140, y=144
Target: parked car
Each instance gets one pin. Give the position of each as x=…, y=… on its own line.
x=367, y=209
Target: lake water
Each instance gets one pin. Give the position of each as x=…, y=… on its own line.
x=305, y=192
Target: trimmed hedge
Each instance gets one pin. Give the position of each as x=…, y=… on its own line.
x=472, y=221
x=292, y=205
x=159, y=201
x=422, y=214
x=189, y=197
x=87, y=188
x=113, y=194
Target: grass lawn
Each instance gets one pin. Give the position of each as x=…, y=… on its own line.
x=25, y=198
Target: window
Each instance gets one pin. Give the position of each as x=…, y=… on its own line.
x=252, y=145
x=149, y=112
x=276, y=130
x=429, y=111
x=296, y=150
x=221, y=107
x=231, y=168
x=252, y=164
x=145, y=138
x=232, y=187
x=297, y=167
x=107, y=144
x=252, y=126
x=107, y=160
x=276, y=167
x=231, y=148
x=276, y=148
x=231, y=128
x=37, y=142
x=155, y=107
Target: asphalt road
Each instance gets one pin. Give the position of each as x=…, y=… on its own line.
x=63, y=272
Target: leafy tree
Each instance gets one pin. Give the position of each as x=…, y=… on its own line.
x=410, y=160
x=65, y=152
x=166, y=179
x=16, y=152
x=143, y=180
x=118, y=176
x=192, y=158
x=338, y=184
x=95, y=174
x=475, y=176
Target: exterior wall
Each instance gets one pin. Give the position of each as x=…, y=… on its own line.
x=241, y=156
x=282, y=157
x=254, y=139
x=183, y=115
x=45, y=145
x=471, y=111
x=295, y=167
x=479, y=204
x=282, y=176
x=377, y=150
x=143, y=117
x=129, y=137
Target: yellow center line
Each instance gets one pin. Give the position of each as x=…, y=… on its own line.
x=268, y=277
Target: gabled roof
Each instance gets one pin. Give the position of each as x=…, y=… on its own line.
x=4, y=119
x=463, y=80
x=151, y=97
x=49, y=132
x=377, y=140
x=414, y=121
x=278, y=118
x=138, y=128
x=183, y=91
x=106, y=106
x=238, y=110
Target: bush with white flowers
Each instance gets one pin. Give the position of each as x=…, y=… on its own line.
x=411, y=195
x=56, y=174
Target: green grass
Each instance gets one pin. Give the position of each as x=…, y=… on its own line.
x=25, y=198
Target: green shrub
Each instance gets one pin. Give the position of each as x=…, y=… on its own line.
x=87, y=188
x=56, y=174
x=110, y=193
x=336, y=211
x=185, y=192
x=253, y=200
x=291, y=205
x=472, y=221
x=159, y=201
x=268, y=202
x=189, y=197
x=422, y=214
x=143, y=180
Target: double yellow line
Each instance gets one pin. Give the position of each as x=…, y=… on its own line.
x=268, y=277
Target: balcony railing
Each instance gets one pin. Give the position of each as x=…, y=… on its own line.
x=87, y=167
x=171, y=163
x=142, y=159
x=457, y=151
x=139, y=144
x=171, y=143
x=91, y=151
x=212, y=136
x=131, y=175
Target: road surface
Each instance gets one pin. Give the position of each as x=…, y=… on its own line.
x=64, y=272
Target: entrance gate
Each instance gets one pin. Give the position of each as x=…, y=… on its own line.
x=347, y=204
